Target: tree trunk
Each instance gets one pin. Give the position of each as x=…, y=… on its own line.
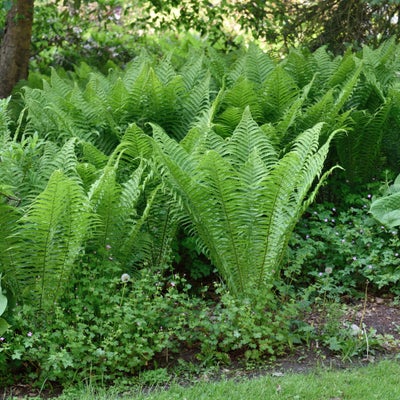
x=15, y=47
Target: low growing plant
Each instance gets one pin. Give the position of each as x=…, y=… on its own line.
x=3, y=305
x=348, y=339
x=338, y=252
x=111, y=324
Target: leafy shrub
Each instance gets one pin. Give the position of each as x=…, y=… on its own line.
x=340, y=251
x=109, y=325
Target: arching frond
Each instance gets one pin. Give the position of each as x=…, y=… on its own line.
x=360, y=151
x=298, y=63
x=258, y=65
x=246, y=138
x=341, y=71
x=9, y=215
x=193, y=72
x=164, y=70
x=279, y=93
x=242, y=199
x=50, y=237
x=93, y=155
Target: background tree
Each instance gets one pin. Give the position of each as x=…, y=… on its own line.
x=340, y=23
x=15, y=45
x=65, y=32
x=335, y=23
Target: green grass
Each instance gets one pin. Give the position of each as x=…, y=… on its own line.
x=376, y=381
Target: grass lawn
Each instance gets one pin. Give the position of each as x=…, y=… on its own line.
x=376, y=381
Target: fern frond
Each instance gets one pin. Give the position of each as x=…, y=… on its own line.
x=245, y=139
x=258, y=65
x=9, y=215
x=279, y=93
x=341, y=71
x=193, y=72
x=4, y=120
x=135, y=144
x=193, y=105
x=125, y=238
x=50, y=237
x=298, y=63
x=165, y=71
x=103, y=198
x=242, y=199
x=360, y=151
x=93, y=155
x=242, y=94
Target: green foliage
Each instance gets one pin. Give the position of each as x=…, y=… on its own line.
x=242, y=199
x=197, y=154
x=49, y=238
x=386, y=209
x=73, y=199
x=99, y=108
x=256, y=329
x=3, y=305
x=280, y=24
x=340, y=251
x=356, y=91
x=346, y=338
x=68, y=32
x=106, y=327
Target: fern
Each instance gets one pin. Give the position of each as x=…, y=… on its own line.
x=242, y=199
x=233, y=102
x=254, y=65
x=117, y=201
x=297, y=63
x=50, y=236
x=360, y=151
x=9, y=215
x=279, y=93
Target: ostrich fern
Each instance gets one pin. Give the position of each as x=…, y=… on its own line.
x=243, y=199
x=71, y=198
x=49, y=238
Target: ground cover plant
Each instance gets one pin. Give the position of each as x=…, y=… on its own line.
x=268, y=168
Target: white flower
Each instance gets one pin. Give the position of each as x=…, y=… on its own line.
x=355, y=329
x=125, y=278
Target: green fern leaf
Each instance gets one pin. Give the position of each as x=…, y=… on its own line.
x=242, y=199
x=50, y=237
x=279, y=93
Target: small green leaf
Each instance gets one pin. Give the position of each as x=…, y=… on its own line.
x=3, y=302
x=3, y=325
